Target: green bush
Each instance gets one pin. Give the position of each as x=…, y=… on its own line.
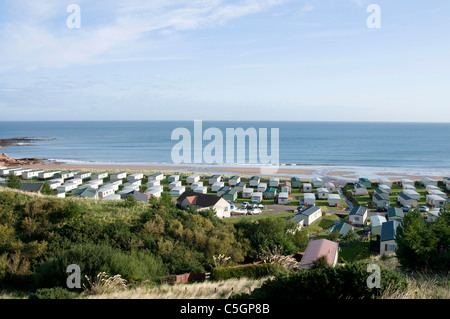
x=53, y=293
x=339, y=282
x=251, y=271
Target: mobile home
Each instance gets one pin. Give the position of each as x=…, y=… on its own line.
x=223, y=190
x=322, y=193
x=112, y=197
x=31, y=174
x=262, y=187
x=270, y=193
x=385, y=181
x=66, y=188
x=83, y=175
x=309, y=199
x=254, y=181
x=405, y=200
x=359, y=190
x=274, y=182
x=307, y=187
x=366, y=182
x=406, y=181
x=174, y=184
x=119, y=175
x=173, y=178
x=387, y=238
x=230, y=195
x=216, y=186
x=240, y=187
x=330, y=186
x=395, y=213
x=234, y=180
x=428, y=181
x=214, y=179
x=334, y=200
x=154, y=191
x=358, y=216
x=247, y=193
x=435, y=201
x=177, y=191
x=413, y=194
x=438, y=193
x=135, y=177
x=101, y=175
x=192, y=179
x=295, y=182
x=201, y=189
x=153, y=183
x=379, y=201
x=257, y=197
x=375, y=224
x=317, y=182
x=283, y=198
x=157, y=176
x=47, y=174
x=105, y=191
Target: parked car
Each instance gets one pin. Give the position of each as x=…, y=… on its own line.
x=424, y=209
x=239, y=211
x=245, y=204
x=254, y=211
x=261, y=206
x=406, y=208
x=299, y=208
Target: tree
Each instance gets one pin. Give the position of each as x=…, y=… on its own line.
x=46, y=189
x=13, y=181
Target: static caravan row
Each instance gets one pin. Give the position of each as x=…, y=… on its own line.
x=217, y=186
x=101, y=175
x=47, y=174
x=254, y=181
x=135, y=177
x=214, y=179
x=31, y=174
x=118, y=175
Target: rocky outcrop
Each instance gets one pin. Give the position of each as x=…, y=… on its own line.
x=5, y=160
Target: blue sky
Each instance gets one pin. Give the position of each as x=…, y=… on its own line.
x=291, y=60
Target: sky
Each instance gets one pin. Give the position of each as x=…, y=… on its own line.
x=253, y=60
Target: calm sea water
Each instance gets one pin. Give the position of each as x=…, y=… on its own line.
x=405, y=145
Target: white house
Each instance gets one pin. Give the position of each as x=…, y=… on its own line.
x=247, y=193
x=334, y=200
x=47, y=174
x=309, y=199
x=274, y=182
x=174, y=184
x=322, y=193
x=317, y=182
x=214, y=179
x=216, y=186
x=413, y=194
x=307, y=187
x=435, y=201
x=192, y=179
x=254, y=181
x=358, y=215
x=31, y=174
x=119, y=175
x=262, y=187
x=283, y=198
x=312, y=214
x=257, y=197
x=203, y=202
x=330, y=186
x=135, y=177
x=387, y=238
x=428, y=181
x=177, y=191
x=359, y=190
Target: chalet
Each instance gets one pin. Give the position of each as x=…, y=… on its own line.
x=286, y=187
x=20, y=171
x=119, y=175
x=262, y=187
x=308, y=199
x=76, y=181
x=311, y=214
x=435, y=201
x=257, y=197
x=83, y=175
x=196, y=184
x=307, y=188
x=387, y=238
x=413, y=194
x=385, y=181
x=177, y=191
x=360, y=190
x=135, y=177
x=157, y=176
x=358, y=216
x=379, y=201
x=105, y=191
x=283, y=198
x=47, y=174
x=173, y=178
x=54, y=184
x=322, y=193
x=270, y=193
x=214, y=179
x=154, y=191
x=334, y=200
x=330, y=186
x=230, y=195
x=320, y=248
x=31, y=174
x=382, y=192
x=405, y=200
x=366, y=182
x=201, y=189
x=217, y=186
x=438, y=192
x=66, y=188
x=240, y=187
x=100, y=175
x=254, y=181
x=234, y=180
x=174, y=184
x=428, y=181
x=203, y=202
x=192, y=179
x=7, y=170
x=274, y=182
x=135, y=183
x=395, y=213
x=112, y=197
x=154, y=182
x=31, y=187
x=317, y=182
x=375, y=224
x=113, y=186
x=223, y=190
x=385, y=188
x=295, y=182
x=247, y=193
x=343, y=229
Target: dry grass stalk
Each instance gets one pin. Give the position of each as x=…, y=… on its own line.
x=104, y=284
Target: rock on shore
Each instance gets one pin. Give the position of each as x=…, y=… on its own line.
x=5, y=160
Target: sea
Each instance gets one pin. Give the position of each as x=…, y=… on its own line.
x=411, y=147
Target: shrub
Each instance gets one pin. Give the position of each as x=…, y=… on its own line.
x=53, y=293
x=251, y=271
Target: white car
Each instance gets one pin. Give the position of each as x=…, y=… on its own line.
x=239, y=211
x=255, y=211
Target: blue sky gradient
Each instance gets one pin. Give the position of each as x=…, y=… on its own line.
x=290, y=60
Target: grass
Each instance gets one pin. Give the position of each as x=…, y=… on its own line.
x=353, y=251
x=235, y=220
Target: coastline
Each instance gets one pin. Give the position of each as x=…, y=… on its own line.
x=327, y=173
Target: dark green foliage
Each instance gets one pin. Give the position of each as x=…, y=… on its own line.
x=46, y=189
x=423, y=245
x=250, y=271
x=53, y=293
x=327, y=282
x=13, y=181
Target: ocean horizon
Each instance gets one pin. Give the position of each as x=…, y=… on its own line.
x=383, y=145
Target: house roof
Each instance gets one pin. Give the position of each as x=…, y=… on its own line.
x=359, y=210
x=359, y=185
x=309, y=210
x=298, y=218
x=342, y=228
x=377, y=220
x=388, y=230
x=378, y=197
x=405, y=196
x=31, y=187
x=202, y=200
x=141, y=197
x=319, y=248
